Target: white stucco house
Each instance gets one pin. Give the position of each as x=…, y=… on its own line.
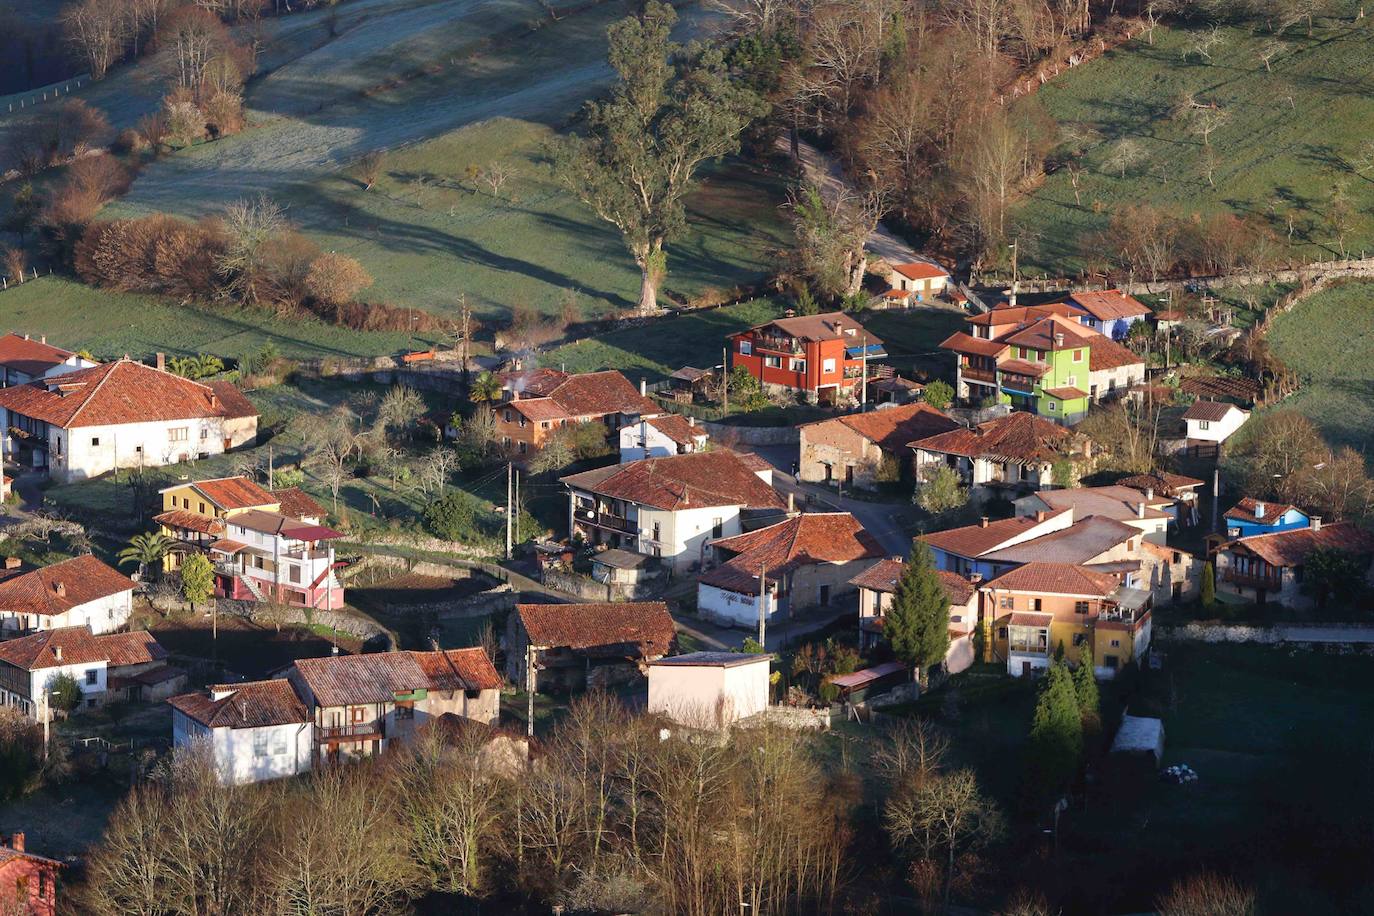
x=1213, y=421
x=86, y=422
x=78, y=592
x=667, y=507
x=23, y=359
x=660, y=437
x=29, y=664
x=252, y=731
x=709, y=689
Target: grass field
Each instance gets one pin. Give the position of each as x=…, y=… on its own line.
x=1290, y=135
x=912, y=338
x=110, y=324
x=1329, y=339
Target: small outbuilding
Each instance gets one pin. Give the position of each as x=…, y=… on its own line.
x=709, y=689
x=1141, y=737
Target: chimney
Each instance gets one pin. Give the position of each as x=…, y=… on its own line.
x=1316, y=523
x=333, y=649
x=983, y=522
x=1259, y=510
x=791, y=503
x=1039, y=515
x=161, y=361
x=975, y=578
x=643, y=387
x=60, y=588
x=1149, y=494
x=26, y=337
x=17, y=842
x=1059, y=338
x=691, y=421
x=1140, y=510
x=57, y=652
x=12, y=562
x=43, y=339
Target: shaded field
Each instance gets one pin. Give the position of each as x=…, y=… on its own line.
x=912, y=338
x=111, y=324
x=1329, y=339
x=1291, y=133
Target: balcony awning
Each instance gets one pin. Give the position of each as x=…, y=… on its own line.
x=1031, y=619
x=874, y=351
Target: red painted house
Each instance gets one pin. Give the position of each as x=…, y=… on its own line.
x=28, y=883
x=819, y=355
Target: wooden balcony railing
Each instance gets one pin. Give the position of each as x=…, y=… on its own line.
x=374, y=729
x=974, y=374
x=1270, y=581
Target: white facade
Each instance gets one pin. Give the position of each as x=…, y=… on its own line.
x=727, y=607
x=90, y=676
x=89, y=451
x=103, y=615
x=1217, y=430
x=644, y=440
x=290, y=563
x=244, y=755
x=678, y=537
x=709, y=695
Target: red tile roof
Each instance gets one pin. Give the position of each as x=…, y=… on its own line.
x=190, y=521
x=960, y=342
x=1055, y=579
x=79, y=646
x=809, y=539
x=297, y=504
x=884, y=575
x=1162, y=482
x=1291, y=548
x=1024, y=367
x=234, y=403
x=58, y=588
x=1109, y=305
x=698, y=480
x=1105, y=353
x=976, y=540
x=458, y=669
x=1019, y=436
x=115, y=393
x=677, y=428
x=276, y=523
x=1022, y=314
x=252, y=704
x=1042, y=335
x=591, y=394
x=1221, y=386
x=1030, y=619
x=830, y=326
x=533, y=383
x=891, y=428
x=1080, y=542
x=1066, y=393
x=920, y=270
x=583, y=626
x=1120, y=503
x=342, y=680
x=1209, y=411
x=1247, y=510
x=233, y=492
x=29, y=356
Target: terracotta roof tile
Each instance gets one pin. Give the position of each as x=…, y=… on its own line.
x=115, y=393
x=1290, y=548
x=1109, y=305
x=29, y=356
x=583, y=626
x=252, y=704
x=1022, y=314
x=458, y=669
x=1043, y=333
x=1105, y=353
x=534, y=383
x=191, y=521
x=296, y=503
x=1018, y=436
x=976, y=540
x=830, y=326
x=1077, y=544
x=697, y=480
x=677, y=428
x=815, y=537
x=1030, y=619
x=343, y=680
x=590, y=394
x=1163, y=483
x=235, y=404
x=1055, y=579
x=920, y=270
x=60, y=587
x=960, y=342
x=79, y=646
x=1066, y=393
x=1221, y=386
x=1024, y=367
x=1247, y=510
x=1120, y=503
x=1210, y=411
x=891, y=428
x=234, y=492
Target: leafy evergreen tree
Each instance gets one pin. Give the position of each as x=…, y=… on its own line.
x=938, y=394
x=1209, y=585
x=1089, y=700
x=917, y=625
x=197, y=579
x=1056, y=738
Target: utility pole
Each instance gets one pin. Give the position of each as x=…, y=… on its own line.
x=725, y=379
x=271, y=472
x=510, y=477
x=1015, y=250
x=1216, y=495
x=45, y=715
x=529, y=689
x=467, y=334
x=515, y=510
x=763, y=603
x=863, y=381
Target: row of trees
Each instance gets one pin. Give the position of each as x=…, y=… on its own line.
x=1281, y=456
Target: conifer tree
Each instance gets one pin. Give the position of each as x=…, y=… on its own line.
x=1209, y=585
x=1089, y=700
x=917, y=625
x=1056, y=738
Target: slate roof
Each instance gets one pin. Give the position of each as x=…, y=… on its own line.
x=29, y=356
x=1055, y=579
x=1109, y=305
x=811, y=538
x=693, y=481
x=58, y=588
x=891, y=428
x=1291, y=548
x=115, y=393
x=253, y=704
x=1019, y=436
x=583, y=626
x=80, y=646
x=1076, y=544
x=1248, y=508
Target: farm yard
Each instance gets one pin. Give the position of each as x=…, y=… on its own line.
x=1329, y=340
x=1286, y=135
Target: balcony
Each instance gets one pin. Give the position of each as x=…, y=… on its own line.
x=973, y=374
x=606, y=520
x=355, y=732
x=1270, y=580
x=1029, y=646
x=1018, y=384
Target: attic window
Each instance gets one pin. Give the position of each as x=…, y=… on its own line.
x=95, y=441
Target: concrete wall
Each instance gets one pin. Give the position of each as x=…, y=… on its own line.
x=708, y=695
x=735, y=609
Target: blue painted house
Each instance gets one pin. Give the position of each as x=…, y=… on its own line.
x=1110, y=312
x=1255, y=516
x=963, y=550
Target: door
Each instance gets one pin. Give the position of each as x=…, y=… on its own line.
x=825, y=595
x=849, y=475
x=1025, y=669
x=829, y=473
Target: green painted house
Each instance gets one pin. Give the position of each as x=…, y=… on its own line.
x=1045, y=371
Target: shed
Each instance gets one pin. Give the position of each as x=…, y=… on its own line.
x=709, y=689
x=865, y=681
x=1140, y=736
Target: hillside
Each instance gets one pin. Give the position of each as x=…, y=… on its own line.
x=1291, y=132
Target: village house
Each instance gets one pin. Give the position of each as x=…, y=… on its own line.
x=23, y=359
x=583, y=646
x=1035, y=609
x=78, y=592
x=252, y=731
x=1144, y=511
x=358, y=704
x=961, y=550
x=919, y=281
x=822, y=357
x=894, y=389
x=28, y=882
x=537, y=403
x=1042, y=359
x=266, y=545
x=1212, y=422
x=709, y=689
x=804, y=562
x=30, y=664
x=1270, y=567
x=877, y=587
x=865, y=449
x=1181, y=489
x=123, y=414
x=1018, y=450
x=1250, y=517
x=1109, y=312
x=661, y=436
x=668, y=507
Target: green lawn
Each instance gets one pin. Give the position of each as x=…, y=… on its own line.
x=912, y=338
x=111, y=324
x=1329, y=339
x=1290, y=135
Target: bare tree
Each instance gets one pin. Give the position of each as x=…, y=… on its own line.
x=1206, y=119
x=251, y=226
x=494, y=175
x=98, y=32
x=1126, y=153
x=437, y=467
x=1207, y=894
x=369, y=168
x=947, y=814
x=331, y=442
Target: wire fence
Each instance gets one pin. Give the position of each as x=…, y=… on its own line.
x=32, y=98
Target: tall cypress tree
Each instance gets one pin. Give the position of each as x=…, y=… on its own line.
x=1089, y=700
x=1056, y=737
x=917, y=625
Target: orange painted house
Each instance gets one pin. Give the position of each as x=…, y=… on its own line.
x=536, y=403
x=28, y=883
x=818, y=355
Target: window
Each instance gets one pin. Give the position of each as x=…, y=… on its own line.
x=745, y=348
x=178, y=434
x=90, y=704
x=773, y=362
x=92, y=675
x=278, y=745
x=294, y=574
x=658, y=531
x=260, y=744
x=1080, y=607
x=1035, y=604
x=717, y=527
x=1071, y=381
x=507, y=414
x=1204, y=424
x=1109, y=662
x=524, y=447
x=95, y=440
x=358, y=713
x=138, y=449
x=1053, y=406
x=1008, y=602
x=1001, y=632
x=797, y=365
x=1116, y=644
x=202, y=508
x=828, y=366
x=404, y=712
x=544, y=424
x=1078, y=356
x=1080, y=638
x=522, y=421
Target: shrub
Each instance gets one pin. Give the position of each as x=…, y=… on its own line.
x=64, y=693
x=335, y=279
x=223, y=112
x=185, y=121
x=938, y=394
x=453, y=517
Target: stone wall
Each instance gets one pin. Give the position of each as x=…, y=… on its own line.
x=732, y=436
